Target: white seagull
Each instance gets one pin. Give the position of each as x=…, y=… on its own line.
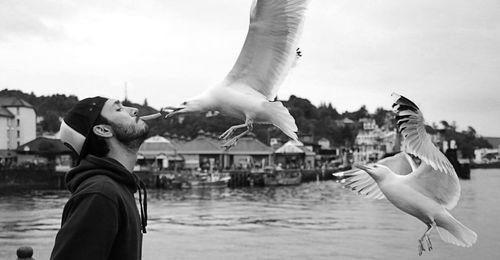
x=248, y=91
x=426, y=192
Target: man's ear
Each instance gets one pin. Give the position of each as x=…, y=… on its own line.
x=103, y=130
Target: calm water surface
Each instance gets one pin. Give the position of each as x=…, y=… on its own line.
x=310, y=221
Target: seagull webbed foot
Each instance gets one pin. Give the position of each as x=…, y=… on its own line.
x=427, y=239
x=226, y=134
x=429, y=244
x=227, y=145
x=420, y=247
x=232, y=141
x=231, y=130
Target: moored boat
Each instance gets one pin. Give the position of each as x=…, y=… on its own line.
x=279, y=177
x=206, y=180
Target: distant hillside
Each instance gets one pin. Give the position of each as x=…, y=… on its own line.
x=318, y=122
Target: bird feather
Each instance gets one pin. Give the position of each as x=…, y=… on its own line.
x=269, y=49
x=410, y=122
x=358, y=180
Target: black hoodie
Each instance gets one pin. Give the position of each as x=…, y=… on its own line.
x=100, y=219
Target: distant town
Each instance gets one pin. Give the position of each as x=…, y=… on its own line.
x=329, y=141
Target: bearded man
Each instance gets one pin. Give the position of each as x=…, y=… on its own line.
x=101, y=219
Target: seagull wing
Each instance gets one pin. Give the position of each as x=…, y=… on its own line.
x=361, y=182
x=410, y=122
x=270, y=47
x=443, y=188
x=400, y=163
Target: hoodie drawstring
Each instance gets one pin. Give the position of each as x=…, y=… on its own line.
x=142, y=203
x=144, y=207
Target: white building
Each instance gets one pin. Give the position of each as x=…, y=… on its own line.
x=17, y=122
x=373, y=142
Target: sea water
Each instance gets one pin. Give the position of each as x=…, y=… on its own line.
x=316, y=220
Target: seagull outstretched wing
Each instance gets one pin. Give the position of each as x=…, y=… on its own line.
x=429, y=178
x=270, y=46
x=410, y=122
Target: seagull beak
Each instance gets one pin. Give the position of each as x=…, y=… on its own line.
x=363, y=167
x=175, y=110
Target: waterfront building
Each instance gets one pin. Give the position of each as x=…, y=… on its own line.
x=328, y=155
x=205, y=152
x=43, y=151
x=247, y=153
x=372, y=142
x=158, y=153
x=294, y=155
x=202, y=152
x=17, y=122
x=7, y=158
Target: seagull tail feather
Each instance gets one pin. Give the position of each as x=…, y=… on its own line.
x=282, y=119
x=452, y=231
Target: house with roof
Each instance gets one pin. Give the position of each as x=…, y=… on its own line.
x=157, y=153
x=45, y=151
x=17, y=122
x=372, y=142
x=248, y=152
x=295, y=155
x=202, y=152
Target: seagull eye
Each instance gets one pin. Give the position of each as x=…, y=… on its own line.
x=184, y=103
x=375, y=166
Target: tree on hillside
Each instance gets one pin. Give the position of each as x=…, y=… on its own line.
x=362, y=112
x=317, y=121
x=381, y=116
x=327, y=111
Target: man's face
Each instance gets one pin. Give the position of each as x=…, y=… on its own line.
x=127, y=127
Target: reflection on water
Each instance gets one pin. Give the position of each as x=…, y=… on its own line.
x=310, y=221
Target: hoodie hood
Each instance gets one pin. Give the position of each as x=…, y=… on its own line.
x=92, y=165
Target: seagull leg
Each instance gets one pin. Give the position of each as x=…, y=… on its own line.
x=230, y=131
x=232, y=141
x=420, y=247
x=426, y=235
x=427, y=239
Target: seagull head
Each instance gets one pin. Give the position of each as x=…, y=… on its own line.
x=377, y=171
x=191, y=106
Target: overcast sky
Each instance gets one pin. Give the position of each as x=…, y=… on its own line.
x=444, y=55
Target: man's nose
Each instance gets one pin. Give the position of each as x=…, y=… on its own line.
x=133, y=111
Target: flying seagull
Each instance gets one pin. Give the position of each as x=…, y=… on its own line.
x=249, y=90
x=427, y=191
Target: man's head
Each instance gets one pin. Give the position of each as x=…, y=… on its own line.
x=94, y=124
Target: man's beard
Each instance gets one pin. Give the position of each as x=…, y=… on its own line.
x=132, y=136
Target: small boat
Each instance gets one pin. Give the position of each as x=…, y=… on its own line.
x=279, y=177
x=169, y=180
x=212, y=180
